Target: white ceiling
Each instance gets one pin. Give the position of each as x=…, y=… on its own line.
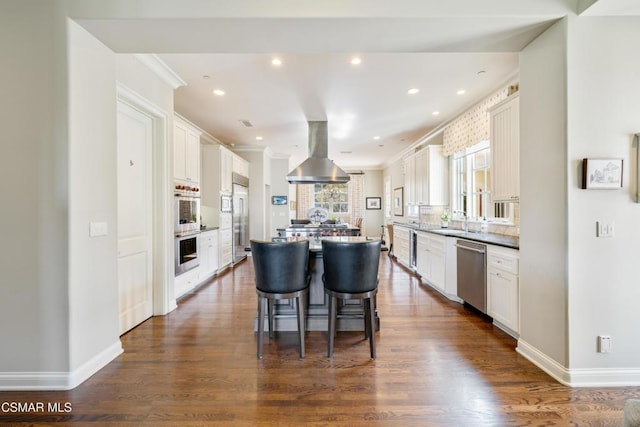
x=438, y=47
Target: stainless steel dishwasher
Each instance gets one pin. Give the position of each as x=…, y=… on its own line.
x=472, y=273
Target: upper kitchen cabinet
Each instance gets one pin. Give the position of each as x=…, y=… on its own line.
x=505, y=150
x=186, y=152
x=216, y=174
x=240, y=166
x=427, y=177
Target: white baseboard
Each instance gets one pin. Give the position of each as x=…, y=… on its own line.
x=37, y=381
x=587, y=377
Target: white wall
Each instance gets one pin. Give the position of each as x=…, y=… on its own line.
x=257, y=212
x=543, y=195
x=280, y=187
x=59, y=305
x=33, y=185
x=396, y=171
x=373, y=187
x=604, y=113
x=93, y=271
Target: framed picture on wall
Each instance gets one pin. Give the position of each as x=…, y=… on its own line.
x=374, y=203
x=601, y=174
x=398, y=201
x=278, y=200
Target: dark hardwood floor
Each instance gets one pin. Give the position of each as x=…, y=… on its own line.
x=438, y=364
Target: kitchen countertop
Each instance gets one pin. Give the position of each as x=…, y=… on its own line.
x=490, y=238
x=207, y=228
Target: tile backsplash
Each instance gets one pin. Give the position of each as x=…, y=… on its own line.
x=430, y=218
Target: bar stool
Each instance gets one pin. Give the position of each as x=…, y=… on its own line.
x=351, y=272
x=282, y=272
x=390, y=232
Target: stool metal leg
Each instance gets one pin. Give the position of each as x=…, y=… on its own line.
x=332, y=324
x=260, y=324
x=372, y=327
x=367, y=318
x=301, y=328
x=270, y=315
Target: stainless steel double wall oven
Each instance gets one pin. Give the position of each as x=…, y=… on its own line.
x=187, y=227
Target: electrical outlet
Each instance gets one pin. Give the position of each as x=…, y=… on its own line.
x=605, y=229
x=604, y=344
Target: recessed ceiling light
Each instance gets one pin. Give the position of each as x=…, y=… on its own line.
x=218, y=92
x=482, y=72
x=435, y=113
x=356, y=61
x=413, y=91
x=461, y=92
x=376, y=137
x=276, y=61
x=259, y=138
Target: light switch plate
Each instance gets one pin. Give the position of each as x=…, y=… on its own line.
x=97, y=229
x=605, y=229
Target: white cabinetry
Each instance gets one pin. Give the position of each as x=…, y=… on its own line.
x=436, y=263
x=186, y=282
x=186, y=152
x=502, y=288
x=240, y=166
x=208, y=253
x=431, y=259
x=226, y=169
x=432, y=177
x=505, y=150
x=426, y=177
x=401, y=244
x=225, y=240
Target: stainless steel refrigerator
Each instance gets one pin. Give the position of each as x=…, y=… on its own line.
x=240, y=216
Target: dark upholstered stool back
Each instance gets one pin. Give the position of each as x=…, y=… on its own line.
x=281, y=272
x=351, y=267
x=281, y=267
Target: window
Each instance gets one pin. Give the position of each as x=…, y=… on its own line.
x=332, y=197
x=472, y=186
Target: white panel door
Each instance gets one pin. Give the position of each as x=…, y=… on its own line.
x=135, y=216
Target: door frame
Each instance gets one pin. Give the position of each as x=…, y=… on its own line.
x=162, y=205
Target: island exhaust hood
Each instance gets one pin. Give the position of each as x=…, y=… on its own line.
x=318, y=168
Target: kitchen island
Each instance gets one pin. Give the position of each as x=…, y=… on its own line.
x=318, y=230
x=350, y=312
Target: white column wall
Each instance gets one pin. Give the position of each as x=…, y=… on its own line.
x=33, y=184
x=604, y=113
x=93, y=270
x=543, y=195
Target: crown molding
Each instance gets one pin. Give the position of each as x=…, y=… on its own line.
x=161, y=69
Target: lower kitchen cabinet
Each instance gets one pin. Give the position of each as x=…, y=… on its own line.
x=186, y=282
x=503, y=288
x=431, y=260
x=225, y=241
x=436, y=263
x=208, y=253
x=401, y=241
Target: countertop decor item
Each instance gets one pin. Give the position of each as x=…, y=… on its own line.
x=445, y=218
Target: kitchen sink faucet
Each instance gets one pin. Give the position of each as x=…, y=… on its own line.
x=466, y=220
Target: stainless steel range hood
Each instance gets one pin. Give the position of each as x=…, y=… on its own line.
x=318, y=168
